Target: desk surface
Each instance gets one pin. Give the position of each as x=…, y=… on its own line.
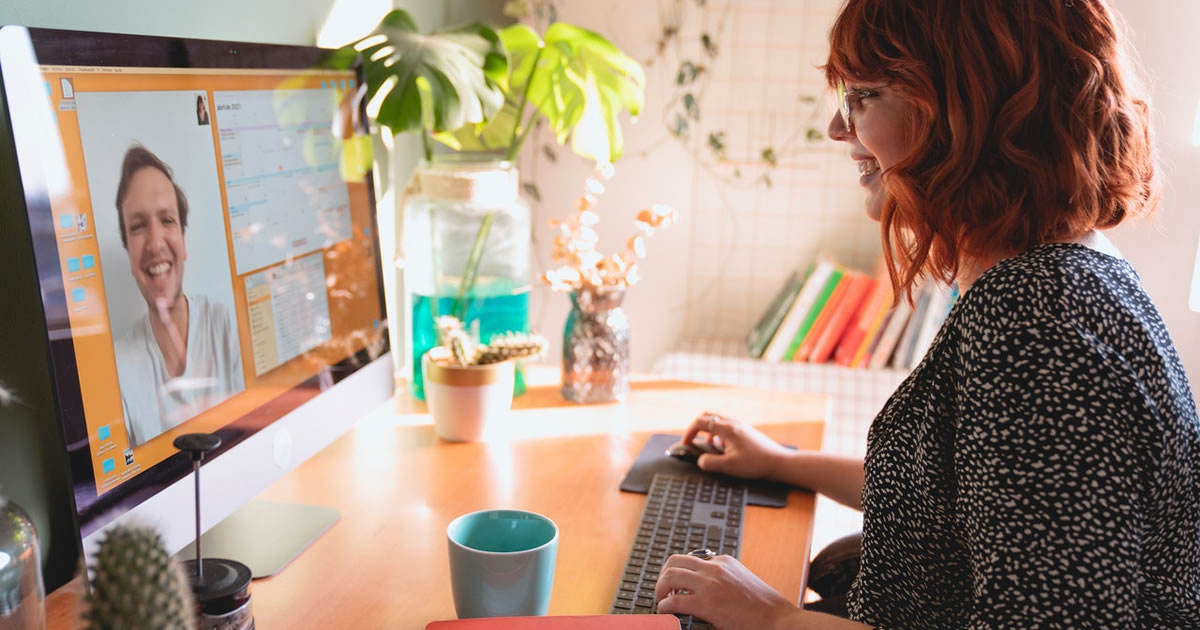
x=385, y=563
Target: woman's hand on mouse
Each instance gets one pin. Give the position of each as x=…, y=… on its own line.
x=748, y=453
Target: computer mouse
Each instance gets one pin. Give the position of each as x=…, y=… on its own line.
x=691, y=452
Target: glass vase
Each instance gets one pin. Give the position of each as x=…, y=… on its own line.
x=596, y=347
x=466, y=252
x=22, y=594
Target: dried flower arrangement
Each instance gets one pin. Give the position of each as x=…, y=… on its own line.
x=458, y=349
x=581, y=267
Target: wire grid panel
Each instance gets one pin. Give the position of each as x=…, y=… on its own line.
x=755, y=218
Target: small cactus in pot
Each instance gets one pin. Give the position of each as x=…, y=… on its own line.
x=469, y=385
x=137, y=585
x=458, y=349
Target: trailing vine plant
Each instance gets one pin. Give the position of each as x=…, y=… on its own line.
x=683, y=114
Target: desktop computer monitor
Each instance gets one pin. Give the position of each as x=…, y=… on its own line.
x=204, y=262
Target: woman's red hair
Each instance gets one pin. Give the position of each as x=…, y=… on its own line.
x=1029, y=125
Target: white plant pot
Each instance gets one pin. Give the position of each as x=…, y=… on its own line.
x=464, y=401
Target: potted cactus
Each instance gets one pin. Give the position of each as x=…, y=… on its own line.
x=469, y=385
x=137, y=585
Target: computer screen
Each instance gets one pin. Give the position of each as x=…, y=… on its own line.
x=212, y=262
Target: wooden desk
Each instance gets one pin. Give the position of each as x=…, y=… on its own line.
x=385, y=563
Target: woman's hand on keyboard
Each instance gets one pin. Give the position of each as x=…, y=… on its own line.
x=747, y=452
x=721, y=591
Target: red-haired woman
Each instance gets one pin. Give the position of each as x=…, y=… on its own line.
x=1039, y=468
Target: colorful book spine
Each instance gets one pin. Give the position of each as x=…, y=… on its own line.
x=935, y=314
x=764, y=330
x=848, y=308
x=814, y=317
x=822, y=312
x=890, y=335
x=813, y=286
x=864, y=329
x=878, y=335
x=904, y=348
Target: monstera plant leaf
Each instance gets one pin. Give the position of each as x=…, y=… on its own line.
x=580, y=85
x=493, y=136
x=575, y=78
x=501, y=132
x=436, y=82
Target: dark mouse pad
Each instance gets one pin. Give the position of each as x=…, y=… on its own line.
x=654, y=459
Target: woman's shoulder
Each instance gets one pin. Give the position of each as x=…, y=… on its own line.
x=1057, y=282
x=1074, y=301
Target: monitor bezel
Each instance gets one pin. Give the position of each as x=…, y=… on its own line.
x=58, y=47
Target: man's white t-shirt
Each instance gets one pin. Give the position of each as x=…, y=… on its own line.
x=153, y=401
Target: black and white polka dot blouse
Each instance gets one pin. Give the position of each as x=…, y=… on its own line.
x=1041, y=467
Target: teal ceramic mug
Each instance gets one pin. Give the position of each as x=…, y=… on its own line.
x=502, y=563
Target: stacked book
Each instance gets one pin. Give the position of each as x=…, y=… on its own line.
x=828, y=312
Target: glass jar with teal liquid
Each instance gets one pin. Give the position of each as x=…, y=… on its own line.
x=466, y=239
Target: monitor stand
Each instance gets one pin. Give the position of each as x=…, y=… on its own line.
x=264, y=535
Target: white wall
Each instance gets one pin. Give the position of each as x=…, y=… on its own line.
x=713, y=275
x=1163, y=249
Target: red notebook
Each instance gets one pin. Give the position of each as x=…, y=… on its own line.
x=585, y=622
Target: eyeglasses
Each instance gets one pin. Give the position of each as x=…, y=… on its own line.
x=842, y=99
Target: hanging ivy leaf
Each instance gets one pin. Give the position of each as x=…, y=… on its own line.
x=669, y=32
x=692, y=107
x=688, y=72
x=814, y=135
x=681, y=126
x=716, y=142
x=768, y=156
x=548, y=151
x=710, y=46
x=531, y=189
x=808, y=99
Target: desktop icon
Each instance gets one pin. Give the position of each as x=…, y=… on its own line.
x=108, y=465
x=68, y=89
x=72, y=265
x=81, y=221
x=77, y=295
x=104, y=432
x=66, y=221
x=128, y=457
x=88, y=261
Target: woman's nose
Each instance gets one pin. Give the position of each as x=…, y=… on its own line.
x=837, y=128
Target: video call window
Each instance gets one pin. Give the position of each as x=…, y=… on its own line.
x=153, y=179
x=212, y=237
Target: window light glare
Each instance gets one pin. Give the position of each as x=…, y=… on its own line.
x=349, y=20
